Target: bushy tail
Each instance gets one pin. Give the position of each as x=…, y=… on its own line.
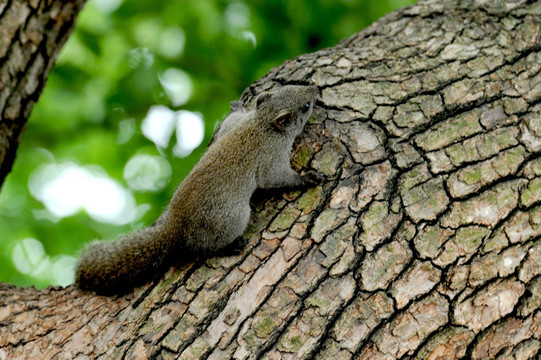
x=117, y=267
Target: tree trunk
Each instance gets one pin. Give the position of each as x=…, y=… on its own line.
x=425, y=242
x=32, y=33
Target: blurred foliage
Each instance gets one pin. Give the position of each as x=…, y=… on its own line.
x=108, y=76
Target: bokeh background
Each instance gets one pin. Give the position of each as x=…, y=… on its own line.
x=129, y=108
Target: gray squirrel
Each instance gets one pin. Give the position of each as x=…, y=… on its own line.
x=210, y=209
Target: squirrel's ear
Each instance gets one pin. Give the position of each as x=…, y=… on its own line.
x=282, y=121
x=261, y=98
x=236, y=106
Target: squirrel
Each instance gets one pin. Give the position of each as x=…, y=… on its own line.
x=238, y=112
x=210, y=209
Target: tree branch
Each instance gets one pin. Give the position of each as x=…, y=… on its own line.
x=425, y=242
x=31, y=36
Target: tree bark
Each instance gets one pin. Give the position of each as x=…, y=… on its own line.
x=424, y=242
x=32, y=33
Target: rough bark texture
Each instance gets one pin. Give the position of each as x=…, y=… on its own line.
x=31, y=35
x=425, y=242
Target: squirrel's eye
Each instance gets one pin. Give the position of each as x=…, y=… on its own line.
x=305, y=107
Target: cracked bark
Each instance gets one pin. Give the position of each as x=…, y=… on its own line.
x=425, y=242
x=31, y=36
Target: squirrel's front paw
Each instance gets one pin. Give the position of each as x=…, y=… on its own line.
x=312, y=177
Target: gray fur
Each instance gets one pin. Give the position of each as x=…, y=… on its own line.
x=211, y=207
x=237, y=114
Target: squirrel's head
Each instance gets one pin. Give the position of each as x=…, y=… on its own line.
x=288, y=108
